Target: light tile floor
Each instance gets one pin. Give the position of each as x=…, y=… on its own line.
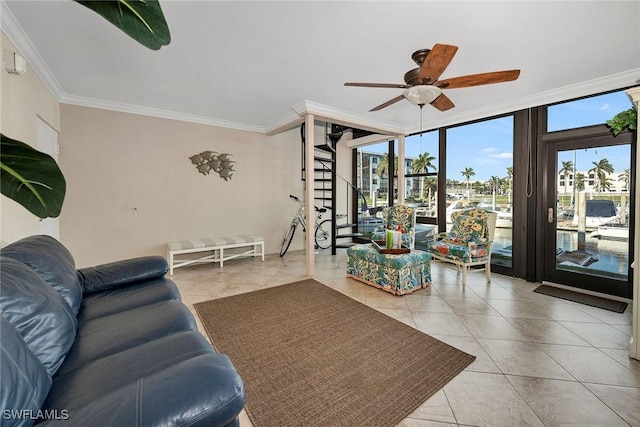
x=540, y=361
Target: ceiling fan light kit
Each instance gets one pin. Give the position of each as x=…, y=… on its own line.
x=422, y=94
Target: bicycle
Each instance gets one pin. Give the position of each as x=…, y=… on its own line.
x=322, y=228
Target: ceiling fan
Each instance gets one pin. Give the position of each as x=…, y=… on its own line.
x=422, y=85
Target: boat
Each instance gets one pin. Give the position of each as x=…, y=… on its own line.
x=614, y=231
x=504, y=220
x=599, y=213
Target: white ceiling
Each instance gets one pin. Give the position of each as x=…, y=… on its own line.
x=257, y=65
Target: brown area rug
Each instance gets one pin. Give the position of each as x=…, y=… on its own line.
x=311, y=356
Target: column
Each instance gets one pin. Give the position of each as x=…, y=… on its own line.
x=309, y=193
x=401, y=170
x=634, y=342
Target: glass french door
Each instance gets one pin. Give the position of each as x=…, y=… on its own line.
x=588, y=215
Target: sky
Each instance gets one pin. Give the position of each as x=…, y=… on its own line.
x=487, y=146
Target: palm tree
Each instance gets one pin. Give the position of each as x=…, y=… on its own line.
x=431, y=184
x=604, y=183
x=494, y=182
x=566, y=169
x=579, y=181
x=624, y=177
x=468, y=173
x=601, y=169
x=422, y=164
x=383, y=166
x=510, y=179
x=383, y=169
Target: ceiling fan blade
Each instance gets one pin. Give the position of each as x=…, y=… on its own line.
x=389, y=102
x=436, y=62
x=478, y=79
x=442, y=103
x=386, y=85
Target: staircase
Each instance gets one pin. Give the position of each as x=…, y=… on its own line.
x=325, y=181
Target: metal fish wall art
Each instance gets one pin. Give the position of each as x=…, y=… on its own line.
x=208, y=161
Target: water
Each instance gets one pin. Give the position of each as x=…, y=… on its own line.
x=610, y=256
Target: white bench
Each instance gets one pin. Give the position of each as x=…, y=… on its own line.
x=217, y=246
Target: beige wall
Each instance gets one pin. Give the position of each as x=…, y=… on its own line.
x=132, y=188
x=23, y=99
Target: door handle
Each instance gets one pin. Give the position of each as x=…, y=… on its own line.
x=550, y=216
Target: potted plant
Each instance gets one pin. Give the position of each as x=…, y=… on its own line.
x=33, y=178
x=627, y=119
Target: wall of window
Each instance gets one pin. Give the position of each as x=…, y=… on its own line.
x=492, y=164
x=481, y=175
x=421, y=173
x=372, y=178
x=595, y=110
x=592, y=188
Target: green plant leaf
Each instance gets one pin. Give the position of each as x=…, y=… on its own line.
x=142, y=20
x=623, y=120
x=31, y=178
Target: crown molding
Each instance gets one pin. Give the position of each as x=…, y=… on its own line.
x=342, y=117
x=369, y=139
x=14, y=32
x=286, y=122
x=347, y=118
x=634, y=94
x=156, y=112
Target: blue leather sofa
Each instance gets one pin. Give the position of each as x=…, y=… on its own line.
x=110, y=345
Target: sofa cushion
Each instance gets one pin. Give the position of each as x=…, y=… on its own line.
x=25, y=381
x=204, y=390
x=39, y=314
x=127, y=298
x=81, y=386
x=52, y=262
x=107, y=335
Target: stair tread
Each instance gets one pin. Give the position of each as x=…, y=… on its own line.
x=342, y=236
x=324, y=159
x=345, y=245
x=325, y=147
x=346, y=225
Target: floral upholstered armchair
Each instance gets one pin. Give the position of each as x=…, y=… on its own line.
x=399, y=218
x=468, y=242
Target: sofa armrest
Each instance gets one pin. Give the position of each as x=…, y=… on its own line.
x=120, y=273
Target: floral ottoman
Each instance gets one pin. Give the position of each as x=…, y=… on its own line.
x=398, y=274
